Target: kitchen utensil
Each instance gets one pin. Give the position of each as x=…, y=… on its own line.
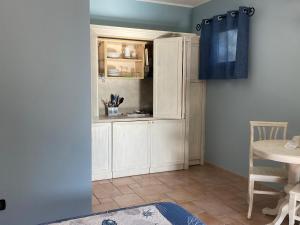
x=121, y=101
x=112, y=99
x=105, y=102
x=117, y=100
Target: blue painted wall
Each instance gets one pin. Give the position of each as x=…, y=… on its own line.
x=272, y=91
x=45, y=131
x=132, y=13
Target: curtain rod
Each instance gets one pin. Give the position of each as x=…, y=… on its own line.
x=249, y=10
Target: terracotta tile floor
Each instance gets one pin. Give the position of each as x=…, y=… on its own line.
x=214, y=195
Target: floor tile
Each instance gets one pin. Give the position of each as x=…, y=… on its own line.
x=151, y=189
x=106, y=190
x=95, y=200
x=123, y=181
x=128, y=200
x=105, y=207
x=125, y=189
x=216, y=196
x=183, y=196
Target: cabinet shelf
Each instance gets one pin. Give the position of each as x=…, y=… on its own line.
x=133, y=68
x=124, y=59
x=124, y=77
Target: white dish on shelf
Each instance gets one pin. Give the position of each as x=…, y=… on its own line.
x=113, y=72
x=113, y=55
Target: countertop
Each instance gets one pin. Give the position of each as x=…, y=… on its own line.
x=122, y=118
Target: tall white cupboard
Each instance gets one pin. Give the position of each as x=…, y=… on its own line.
x=173, y=138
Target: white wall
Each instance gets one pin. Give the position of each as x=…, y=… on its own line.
x=44, y=110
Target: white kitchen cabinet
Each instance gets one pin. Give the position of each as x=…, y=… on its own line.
x=174, y=138
x=168, y=78
x=167, y=145
x=101, y=151
x=131, y=148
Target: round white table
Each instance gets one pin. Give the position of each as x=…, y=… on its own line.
x=275, y=150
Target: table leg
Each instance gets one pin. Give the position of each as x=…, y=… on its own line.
x=282, y=208
x=294, y=174
x=274, y=212
x=282, y=212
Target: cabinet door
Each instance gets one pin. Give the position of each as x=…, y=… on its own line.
x=196, y=107
x=167, y=145
x=194, y=59
x=131, y=148
x=168, y=78
x=196, y=123
x=101, y=151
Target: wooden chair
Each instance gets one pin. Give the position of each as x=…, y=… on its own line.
x=264, y=131
x=293, y=207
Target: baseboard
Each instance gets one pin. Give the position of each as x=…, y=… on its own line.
x=166, y=168
x=225, y=170
x=131, y=172
x=101, y=176
x=195, y=162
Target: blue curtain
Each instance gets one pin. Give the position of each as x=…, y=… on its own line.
x=224, y=46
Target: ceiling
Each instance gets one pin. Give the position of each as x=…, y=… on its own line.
x=182, y=3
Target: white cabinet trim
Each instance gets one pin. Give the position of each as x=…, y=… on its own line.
x=97, y=148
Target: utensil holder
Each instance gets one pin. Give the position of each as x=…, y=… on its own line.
x=112, y=111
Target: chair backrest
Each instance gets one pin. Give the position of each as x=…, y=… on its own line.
x=261, y=130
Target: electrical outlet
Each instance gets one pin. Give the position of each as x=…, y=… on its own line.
x=2, y=204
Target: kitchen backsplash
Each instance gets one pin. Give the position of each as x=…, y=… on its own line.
x=138, y=94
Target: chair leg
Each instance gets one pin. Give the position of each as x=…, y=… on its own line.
x=292, y=209
x=250, y=195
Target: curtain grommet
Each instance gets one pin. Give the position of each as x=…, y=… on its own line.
x=251, y=11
